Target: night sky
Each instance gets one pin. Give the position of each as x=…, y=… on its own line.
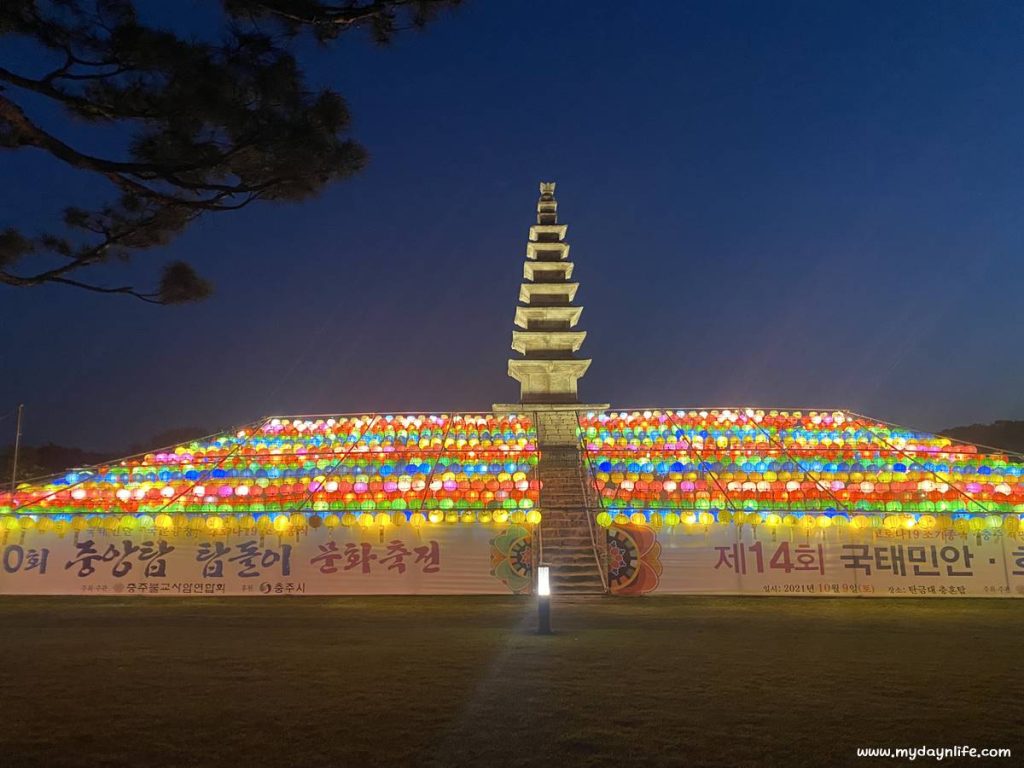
x=773, y=204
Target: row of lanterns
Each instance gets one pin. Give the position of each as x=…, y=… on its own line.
x=957, y=523
x=266, y=523
x=750, y=428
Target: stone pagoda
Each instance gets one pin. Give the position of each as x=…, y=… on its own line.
x=548, y=371
x=547, y=339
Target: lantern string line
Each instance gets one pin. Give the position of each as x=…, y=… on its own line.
x=602, y=566
x=709, y=472
x=316, y=486
x=449, y=420
x=42, y=479
x=208, y=472
x=910, y=457
x=806, y=474
x=994, y=449
x=585, y=452
x=85, y=471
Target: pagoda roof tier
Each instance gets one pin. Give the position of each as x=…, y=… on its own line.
x=536, y=341
x=528, y=290
x=532, y=267
x=548, y=380
x=548, y=229
x=534, y=249
x=527, y=315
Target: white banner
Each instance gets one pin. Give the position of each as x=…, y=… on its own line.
x=475, y=559
x=831, y=562
x=436, y=560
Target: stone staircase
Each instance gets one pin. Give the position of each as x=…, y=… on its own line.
x=567, y=544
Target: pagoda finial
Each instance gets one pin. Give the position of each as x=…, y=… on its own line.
x=547, y=206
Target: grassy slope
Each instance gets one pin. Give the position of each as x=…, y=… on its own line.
x=456, y=681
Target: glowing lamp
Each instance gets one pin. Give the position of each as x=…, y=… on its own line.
x=544, y=581
x=543, y=600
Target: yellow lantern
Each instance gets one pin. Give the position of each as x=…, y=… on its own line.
x=332, y=521
x=215, y=523
x=637, y=518
x=281, y=523
x=533, y=517
x=604, y=519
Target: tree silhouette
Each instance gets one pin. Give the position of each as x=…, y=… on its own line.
x=210, y=125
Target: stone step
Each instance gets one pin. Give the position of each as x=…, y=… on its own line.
x=574, y=568
x=576, y=579
x=576, y=550
x=567, y=532
x=567, y=541
x=561, y=542
x=564, y=542
x=585, y=582
x=568, y=553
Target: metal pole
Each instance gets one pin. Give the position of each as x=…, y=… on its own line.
x=17, y=445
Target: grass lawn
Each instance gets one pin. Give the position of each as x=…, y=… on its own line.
x=445, y=681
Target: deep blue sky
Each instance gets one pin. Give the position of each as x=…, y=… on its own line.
x=769, y=203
